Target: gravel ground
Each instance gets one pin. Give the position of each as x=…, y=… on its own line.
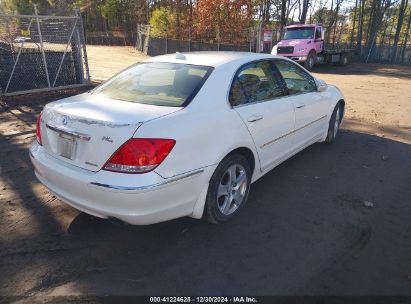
x=332, y=220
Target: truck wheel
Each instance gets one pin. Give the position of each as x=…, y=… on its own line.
x=344, y=59
x=309, y=63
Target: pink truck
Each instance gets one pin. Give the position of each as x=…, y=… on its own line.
x=304, y=43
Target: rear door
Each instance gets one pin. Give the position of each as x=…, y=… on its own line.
x=310, y=105
x=258, y=97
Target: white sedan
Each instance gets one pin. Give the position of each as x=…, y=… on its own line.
x=181, y=135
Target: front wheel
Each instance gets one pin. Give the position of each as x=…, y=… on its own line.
x=309, y=63
x=335, y=123
x=228, y=189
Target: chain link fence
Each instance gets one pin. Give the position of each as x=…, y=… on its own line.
x=245, y=41
x=41, y=52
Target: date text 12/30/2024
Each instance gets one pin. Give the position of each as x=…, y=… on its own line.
x=203, y=300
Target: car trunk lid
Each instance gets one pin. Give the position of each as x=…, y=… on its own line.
x=85, y=130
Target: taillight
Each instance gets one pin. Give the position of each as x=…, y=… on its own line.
x=38, y=131
x=140, y=155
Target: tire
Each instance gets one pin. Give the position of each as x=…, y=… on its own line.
x=334, y=124
x=310, y=62
x=344, y=59
x=223, y=191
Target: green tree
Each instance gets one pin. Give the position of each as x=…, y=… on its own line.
x=162, y=22
x=22, y=6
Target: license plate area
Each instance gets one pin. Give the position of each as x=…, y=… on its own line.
x=67, y=146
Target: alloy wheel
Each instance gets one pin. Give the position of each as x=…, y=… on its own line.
x=232, y=189
x=337, y=122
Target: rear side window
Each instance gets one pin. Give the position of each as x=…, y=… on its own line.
x=253, y=83
x=161, y=84
x=297, y=80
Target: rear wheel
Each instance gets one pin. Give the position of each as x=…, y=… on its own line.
x=335, y=123
x=228, y=189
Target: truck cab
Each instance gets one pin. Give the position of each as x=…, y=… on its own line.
x=302, y=43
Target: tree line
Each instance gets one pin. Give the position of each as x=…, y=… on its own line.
x=361, y=24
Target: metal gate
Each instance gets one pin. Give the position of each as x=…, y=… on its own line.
x=40, y=53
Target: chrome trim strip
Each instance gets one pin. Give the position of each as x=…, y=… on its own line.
x=167, y=181
x=261, y=101
x=292, y=132
x=69, y=132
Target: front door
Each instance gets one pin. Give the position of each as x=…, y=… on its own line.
x=318, y=40
x=259, y=98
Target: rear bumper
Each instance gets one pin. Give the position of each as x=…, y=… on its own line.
x=137, y=199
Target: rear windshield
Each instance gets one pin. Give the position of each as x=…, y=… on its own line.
x=160, y=84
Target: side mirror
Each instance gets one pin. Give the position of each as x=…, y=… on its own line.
x=321, y=85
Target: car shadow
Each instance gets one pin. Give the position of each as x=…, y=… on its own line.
x=302, y=224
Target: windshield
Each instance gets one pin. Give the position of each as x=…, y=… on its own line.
x=161, y=84
x=299, y=33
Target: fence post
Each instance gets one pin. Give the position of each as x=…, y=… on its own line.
x=83, y=42
x=41, y=45
x=138, y=38
x=189, y=39
x=77, y=54
x=218, y=38
x=147, y=40
x=65, y=52
x=16, y=61
x=371, y=47
x=249, y=38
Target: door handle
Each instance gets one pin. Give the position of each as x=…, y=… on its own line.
x=255, y=117
x=300, y=105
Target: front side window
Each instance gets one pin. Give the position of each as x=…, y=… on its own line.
x=161, y=84
x=296, y=79
x=299, y=33
x=254, y=82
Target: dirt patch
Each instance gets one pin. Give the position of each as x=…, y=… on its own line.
x=375, y=93
x=305, y=231
x=105, y=61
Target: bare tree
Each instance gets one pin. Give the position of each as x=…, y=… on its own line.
x=378, y=9
x=407, y=33
x=354, y=19
x=402, y=9
x=360, y=25
x=304, y=10
x=284, y=16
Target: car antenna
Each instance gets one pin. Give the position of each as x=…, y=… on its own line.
x=180, y=56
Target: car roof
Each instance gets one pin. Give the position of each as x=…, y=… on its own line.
x=301, y=25
x=213, y=59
